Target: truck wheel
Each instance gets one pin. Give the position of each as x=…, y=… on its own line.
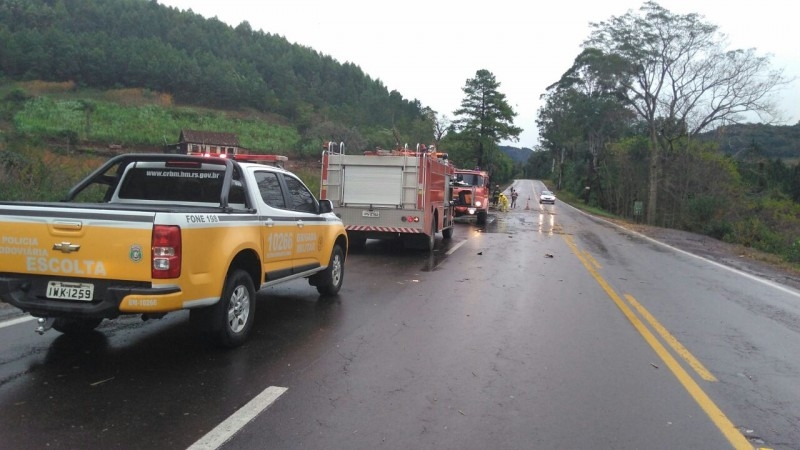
x=75, y=326
x=447, y=233
x=431, y=241
x=481, y=217
x=236, y=310
x=356, y=240
x=329, y=281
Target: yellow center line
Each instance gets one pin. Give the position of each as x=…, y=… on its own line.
x=725, y=426
x=682, y=351
x=592, y=260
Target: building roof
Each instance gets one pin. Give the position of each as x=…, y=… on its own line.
x=209, y=137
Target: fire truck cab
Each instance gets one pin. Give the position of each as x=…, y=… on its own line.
x=472, y=193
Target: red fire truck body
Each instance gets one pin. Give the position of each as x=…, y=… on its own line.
x=390, y=194
x=472, y=193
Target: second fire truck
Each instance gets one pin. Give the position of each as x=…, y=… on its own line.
x=390, y=194
x=472, y=193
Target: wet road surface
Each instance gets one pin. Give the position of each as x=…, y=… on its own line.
x=543, y=329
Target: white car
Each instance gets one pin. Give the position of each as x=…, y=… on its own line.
x=547, y=197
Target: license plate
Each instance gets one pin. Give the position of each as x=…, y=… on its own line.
x=370, y=213
x=63, y=290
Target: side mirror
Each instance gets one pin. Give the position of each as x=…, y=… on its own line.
x=325, y=206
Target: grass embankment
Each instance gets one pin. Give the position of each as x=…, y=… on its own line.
x=54, y=134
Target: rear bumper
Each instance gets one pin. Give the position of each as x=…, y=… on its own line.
x=28, y=294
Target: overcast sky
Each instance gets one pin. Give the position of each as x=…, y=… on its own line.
x=427, y=49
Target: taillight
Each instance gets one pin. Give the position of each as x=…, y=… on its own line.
x=166, y=251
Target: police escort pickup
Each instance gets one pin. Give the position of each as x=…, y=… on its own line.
x=156, y=233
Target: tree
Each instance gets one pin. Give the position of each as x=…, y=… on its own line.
x=679, y=79
x=440, y=124
x=583, y=108
x=485, y=117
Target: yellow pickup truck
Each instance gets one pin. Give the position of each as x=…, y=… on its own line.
x=150, y=234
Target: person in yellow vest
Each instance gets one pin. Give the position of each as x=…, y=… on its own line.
x=503, y=201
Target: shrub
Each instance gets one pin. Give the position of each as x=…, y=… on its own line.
x=793, y=252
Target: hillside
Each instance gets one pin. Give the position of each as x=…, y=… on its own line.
x=757, y=140
x=518, y=155
x=185, y=59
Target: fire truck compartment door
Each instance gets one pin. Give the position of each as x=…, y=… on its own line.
x=371, y=185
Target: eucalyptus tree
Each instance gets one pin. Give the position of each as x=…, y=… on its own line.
x=680, y=79
x=485, y=117
x=583, y=110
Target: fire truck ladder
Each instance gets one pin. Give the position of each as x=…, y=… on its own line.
x=335, y=174
x=411, y=182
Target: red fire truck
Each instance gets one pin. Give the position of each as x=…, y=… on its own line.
x=472, y=193
x=390, y=194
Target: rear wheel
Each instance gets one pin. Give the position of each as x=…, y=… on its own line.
x=356, y=240
x=233, y=316
x=329, y=281
x=75, y=326
x=447, y=233
x=431, y=239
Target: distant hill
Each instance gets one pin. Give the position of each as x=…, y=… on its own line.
x=189, y=60
x=769, y=141
x=518, y=155
x=739, y=141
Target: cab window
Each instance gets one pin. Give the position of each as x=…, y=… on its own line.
x=270, y=188
x=300, y=197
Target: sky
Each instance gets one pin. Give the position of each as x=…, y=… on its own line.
x=428, y=49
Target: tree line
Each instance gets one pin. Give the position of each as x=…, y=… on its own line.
x=634, y=127
x=141, y=44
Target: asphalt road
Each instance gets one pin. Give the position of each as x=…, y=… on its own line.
x=544, y=329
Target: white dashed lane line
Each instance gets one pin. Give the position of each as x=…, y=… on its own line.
x=224, y=431
x=18, y=320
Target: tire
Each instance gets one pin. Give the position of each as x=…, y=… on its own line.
x=447, y=233
x=329, y=281
x=234, y=314
x=481, y=219
x=75, y=326
x=431, y=239
x=356, y=240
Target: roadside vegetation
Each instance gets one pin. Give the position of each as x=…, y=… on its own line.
x=645, y=126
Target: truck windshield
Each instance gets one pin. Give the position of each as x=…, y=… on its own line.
x=471, y=179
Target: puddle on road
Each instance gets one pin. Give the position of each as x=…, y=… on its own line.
x=512, y=222
x=541, y=221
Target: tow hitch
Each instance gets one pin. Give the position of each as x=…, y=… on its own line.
x=44, y=324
